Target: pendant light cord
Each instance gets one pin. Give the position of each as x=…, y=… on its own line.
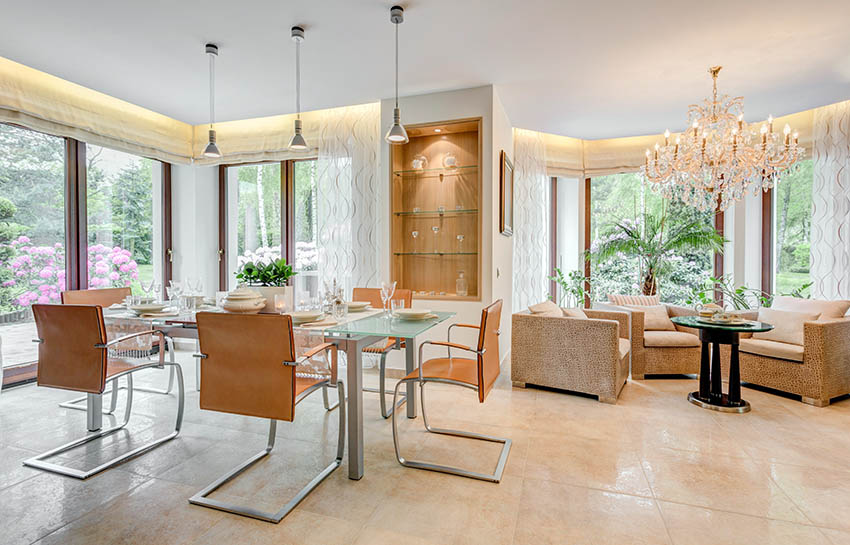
x=298, y=78
x=212, y=89
x=396, y=65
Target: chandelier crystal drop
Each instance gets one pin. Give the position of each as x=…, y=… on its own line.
x=720, y=157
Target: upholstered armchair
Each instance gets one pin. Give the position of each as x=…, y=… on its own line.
x=588, y=355
x=675, y=350
x=817, y=370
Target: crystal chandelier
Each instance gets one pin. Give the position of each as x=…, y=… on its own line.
x=719, y=157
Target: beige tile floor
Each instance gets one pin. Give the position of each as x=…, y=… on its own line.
x=651, y=469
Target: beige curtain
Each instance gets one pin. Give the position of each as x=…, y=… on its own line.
x=45, y=103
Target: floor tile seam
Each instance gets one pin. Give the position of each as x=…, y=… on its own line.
x=750, y=515
x=794, y=502
x=594, y=488
x=101, y=506
x=2, y=488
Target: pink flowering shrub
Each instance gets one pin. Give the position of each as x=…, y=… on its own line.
x=38, y=272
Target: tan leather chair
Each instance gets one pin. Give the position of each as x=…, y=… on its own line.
x=373, y=296
x=73, y=355
x=249, y=368
x=477, y=374
x=107, y=297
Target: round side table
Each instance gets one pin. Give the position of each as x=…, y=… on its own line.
x=710, y=394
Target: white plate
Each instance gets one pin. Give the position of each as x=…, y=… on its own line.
x=304, y=316
x=413, y=313
x=148, y=308
x=358, y=306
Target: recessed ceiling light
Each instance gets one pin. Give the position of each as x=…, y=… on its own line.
x=438, y=130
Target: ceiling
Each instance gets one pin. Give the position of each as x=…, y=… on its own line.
x=584, y=69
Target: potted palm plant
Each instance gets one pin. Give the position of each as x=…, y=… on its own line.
x=269, y=279
x=654, y=240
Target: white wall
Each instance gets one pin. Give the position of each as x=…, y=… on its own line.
x=194, y=194
x=742, y=226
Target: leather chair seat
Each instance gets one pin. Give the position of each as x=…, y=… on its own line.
x=457, y=369
x=772, y=349
x=669, y=339
x=380, y=347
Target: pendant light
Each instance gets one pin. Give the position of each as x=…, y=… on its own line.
x=397, y=134
x=298, y=143
x=212, y=150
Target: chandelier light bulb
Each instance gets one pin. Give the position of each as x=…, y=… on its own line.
x=787, y=130
x=763, y=129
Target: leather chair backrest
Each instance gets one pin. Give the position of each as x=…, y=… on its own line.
x=373, y=295
x=104, y=297
x=68, y=357
x=243, y=372
x=488, y=340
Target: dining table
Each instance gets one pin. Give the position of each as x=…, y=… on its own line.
x=351, y=333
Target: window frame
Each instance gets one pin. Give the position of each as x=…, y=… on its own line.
x=76, y=236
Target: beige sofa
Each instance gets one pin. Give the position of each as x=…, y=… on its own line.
x=818, y=370
x=588, y=355
x=663, y=352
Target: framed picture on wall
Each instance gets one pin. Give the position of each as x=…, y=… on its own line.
x=506, y=195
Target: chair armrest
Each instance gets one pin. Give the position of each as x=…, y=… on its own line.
x=454, y=345
x=130, y=336
x=315, y=351
x=826, y=345
x=471, y=326
x=617, y=316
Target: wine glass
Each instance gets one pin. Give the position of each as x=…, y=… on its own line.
x=175, y=290
x=460, y=244
x=436, y=230
x=415, y=235
x=146, y=288
x=387, y=292
x=197, y=286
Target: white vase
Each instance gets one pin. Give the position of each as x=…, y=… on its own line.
x=270, y=291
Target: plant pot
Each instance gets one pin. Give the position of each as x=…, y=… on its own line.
x=270, y=291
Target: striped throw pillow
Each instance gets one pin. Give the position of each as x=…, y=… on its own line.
x=640, y=300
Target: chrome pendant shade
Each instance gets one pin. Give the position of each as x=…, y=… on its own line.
x=212, y=150
x=397, y=133
x=297, y=143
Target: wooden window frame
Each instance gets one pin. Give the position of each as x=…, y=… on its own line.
x=76, y=237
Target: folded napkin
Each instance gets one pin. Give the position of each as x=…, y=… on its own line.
x=159, y=314
x=327, y=322
x=117, y=306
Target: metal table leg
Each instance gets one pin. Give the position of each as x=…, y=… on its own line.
x=354, y=361
x=410, y=366
x=94, y=411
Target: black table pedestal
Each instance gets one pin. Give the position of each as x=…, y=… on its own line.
x=710, y=394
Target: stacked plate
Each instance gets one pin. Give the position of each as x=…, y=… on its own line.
x=413, y=314
x=148, y=308
x=305, y=316
x=358, y=306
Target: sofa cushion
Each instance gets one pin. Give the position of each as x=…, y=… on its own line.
x=827, y=309
x=546, y=308
x=669, y=339
x=772, y=349
x=624, y=348
x=641, y=300
x=655, y=317
x=574, y=313
x=787, y=325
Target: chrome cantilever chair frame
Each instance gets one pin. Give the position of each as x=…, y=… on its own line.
x=381, y=390
x=201, y=497
x=39, y=461
x=113, y=403
x=496, y=476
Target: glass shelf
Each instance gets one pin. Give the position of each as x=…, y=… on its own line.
x=436, y=253
x=435, y=172
x=447, y=212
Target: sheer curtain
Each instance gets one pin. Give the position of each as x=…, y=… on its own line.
x=831, y=202
x=531, y=210
x=347, y=189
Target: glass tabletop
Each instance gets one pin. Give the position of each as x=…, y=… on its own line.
x=381, y=325
x=697, y=322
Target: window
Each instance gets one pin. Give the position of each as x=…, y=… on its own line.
x=32, y=234
x=621, y=203
x=792, y=215
x=254, y=192
x=124, y=224
x=305, y=226
x=567, y=204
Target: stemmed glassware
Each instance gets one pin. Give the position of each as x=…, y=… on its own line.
x=387, y=292
x=436, y=230
x=415, y=235
x=460, y=244
x=147, y=288
x=174, y=291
